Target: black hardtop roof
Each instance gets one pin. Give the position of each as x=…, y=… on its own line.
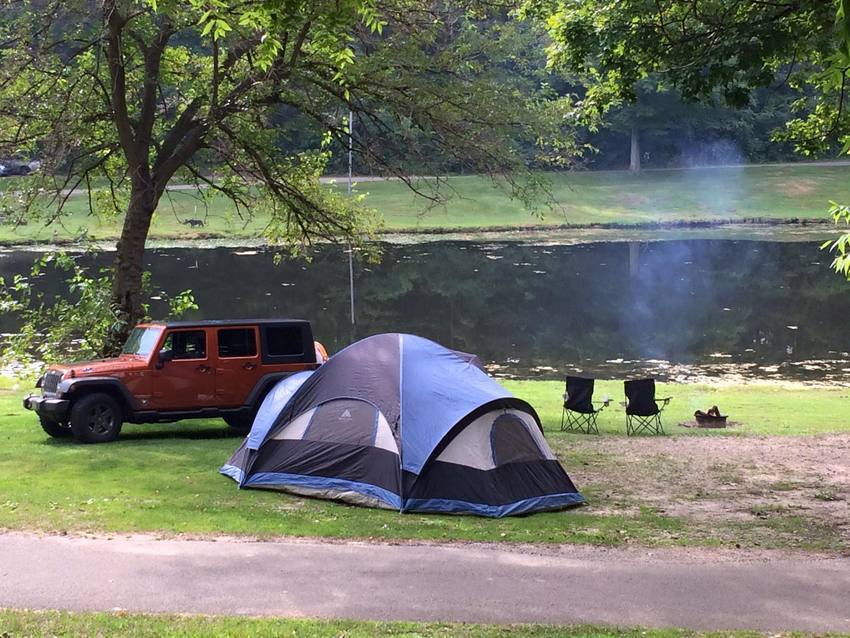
x=200, y=323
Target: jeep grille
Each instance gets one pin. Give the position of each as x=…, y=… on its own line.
x=51, y=382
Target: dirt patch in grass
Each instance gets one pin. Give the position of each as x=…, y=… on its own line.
x=797, y=187
x=749, y=491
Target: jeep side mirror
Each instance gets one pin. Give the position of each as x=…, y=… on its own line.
x=162, y=357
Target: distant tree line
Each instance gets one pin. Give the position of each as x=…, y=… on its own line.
x=660, y=129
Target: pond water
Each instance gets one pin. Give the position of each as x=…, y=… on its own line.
x=676, y=309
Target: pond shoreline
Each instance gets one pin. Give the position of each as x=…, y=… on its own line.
x=756, y=228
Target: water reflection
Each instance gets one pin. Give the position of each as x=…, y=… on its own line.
x=675, y=308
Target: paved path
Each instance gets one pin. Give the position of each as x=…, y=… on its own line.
x=424, y=582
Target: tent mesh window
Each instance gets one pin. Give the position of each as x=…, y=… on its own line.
x=512, y=442
x=346, y=421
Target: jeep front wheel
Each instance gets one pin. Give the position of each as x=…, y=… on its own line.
x=54, y=429
x=96, y=418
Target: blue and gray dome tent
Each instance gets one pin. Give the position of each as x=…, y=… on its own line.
x=398, y=421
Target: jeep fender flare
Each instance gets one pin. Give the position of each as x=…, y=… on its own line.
x=263, y=386
x=69, y=389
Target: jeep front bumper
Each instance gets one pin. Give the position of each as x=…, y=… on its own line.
x=53, y=409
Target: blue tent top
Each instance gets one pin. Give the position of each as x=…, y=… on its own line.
x=408, y=378
x=438, y=387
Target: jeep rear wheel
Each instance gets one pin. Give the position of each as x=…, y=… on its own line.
x=241, y=423
x=54, y=429
x=96, y=418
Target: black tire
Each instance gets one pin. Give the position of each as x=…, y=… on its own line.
x=54, y=429
x=96, y=418
x=240, y=423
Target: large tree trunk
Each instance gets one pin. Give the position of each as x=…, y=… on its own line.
x=634, y=156
x=129, y=258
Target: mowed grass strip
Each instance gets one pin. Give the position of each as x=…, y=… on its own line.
x=164, y=478
x=21, y=624
x=620, y=197
x=777, y=192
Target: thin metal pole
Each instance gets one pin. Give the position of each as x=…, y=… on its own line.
x=350, y=252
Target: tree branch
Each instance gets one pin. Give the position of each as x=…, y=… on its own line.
x=153, y=59
x=118, y=92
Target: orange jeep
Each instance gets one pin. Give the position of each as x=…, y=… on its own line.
x=172, y=371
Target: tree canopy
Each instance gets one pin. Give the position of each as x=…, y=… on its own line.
x=705, y=46
x=122, y=97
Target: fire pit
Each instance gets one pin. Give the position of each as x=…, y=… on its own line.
x=710, y=419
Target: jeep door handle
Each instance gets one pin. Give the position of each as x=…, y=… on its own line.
x=249, y=366
x=203, y=368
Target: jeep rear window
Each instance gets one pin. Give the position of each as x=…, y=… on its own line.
x=141, y=341
x=237, y=342
x=282, y=341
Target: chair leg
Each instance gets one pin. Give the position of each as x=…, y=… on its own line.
x=578, y=422
x=636, y=424
x=568, y=421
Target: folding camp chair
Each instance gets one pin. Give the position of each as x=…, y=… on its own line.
x=643, y=413
x=578, y=414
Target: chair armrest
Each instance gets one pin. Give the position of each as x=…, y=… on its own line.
x=665, y=400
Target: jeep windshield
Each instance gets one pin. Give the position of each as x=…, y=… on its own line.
x=141, y=341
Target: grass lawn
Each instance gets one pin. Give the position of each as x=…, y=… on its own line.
x=20, y=624
x=620, y=197
x=642, y=490
x=756, y=409
x=781, y=192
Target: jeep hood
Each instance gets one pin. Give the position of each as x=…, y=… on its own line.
x=102, y=367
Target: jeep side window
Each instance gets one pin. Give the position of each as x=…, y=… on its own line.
x=283, y=341
x=186, y=344
x=237, y=342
